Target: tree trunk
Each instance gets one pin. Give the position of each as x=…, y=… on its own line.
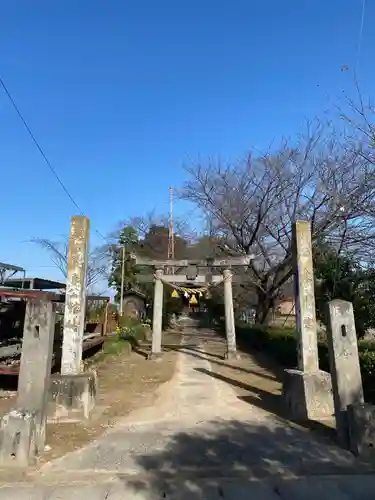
x=265, y=305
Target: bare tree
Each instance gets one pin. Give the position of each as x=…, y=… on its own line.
x=358, y=114
x=97, y=268
x=254, y=203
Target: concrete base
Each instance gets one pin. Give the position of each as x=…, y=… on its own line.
x=72, y=397
x=155, y=356
x=21, y=438
x=231, y=355
x=308, y=396
x=361, y=429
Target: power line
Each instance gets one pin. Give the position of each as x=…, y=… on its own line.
x=44, y=156
x=38, y=146
x=360, y=35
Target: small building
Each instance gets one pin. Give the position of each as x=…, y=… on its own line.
x=286, y=303
x=286, y=307
x=12, y=307
x=134, y=304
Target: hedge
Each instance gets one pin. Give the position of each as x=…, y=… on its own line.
x=281, y=345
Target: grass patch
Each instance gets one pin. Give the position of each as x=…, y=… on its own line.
x=111, y=347
x=116, y=346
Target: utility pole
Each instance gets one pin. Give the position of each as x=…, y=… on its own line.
x=122, y=279
x=171, y=230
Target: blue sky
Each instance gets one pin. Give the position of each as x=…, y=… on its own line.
x=121, y=94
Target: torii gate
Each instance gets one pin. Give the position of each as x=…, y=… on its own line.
x=192, y=276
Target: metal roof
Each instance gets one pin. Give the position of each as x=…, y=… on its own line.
x=132, y=291
x=29, y=294
x=34, y=284
x=43, y=295
x=10, y=267
x=98, y=297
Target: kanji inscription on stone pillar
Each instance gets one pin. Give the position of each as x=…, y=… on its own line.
x=75, y=300
x=308, y=360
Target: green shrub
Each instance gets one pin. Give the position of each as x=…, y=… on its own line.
x=281, y=345
x=367, y=363
x=131, y=329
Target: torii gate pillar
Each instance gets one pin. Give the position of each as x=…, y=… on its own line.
x=157, y=316
x=230, y=330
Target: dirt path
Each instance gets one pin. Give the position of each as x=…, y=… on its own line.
x=260, y=383
x=256, y=380
x=202, y=439
x=127, y=383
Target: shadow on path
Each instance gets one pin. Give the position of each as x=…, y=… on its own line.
x=201, y=354
x=222, y=457
x=263, y=360
x=272, y=403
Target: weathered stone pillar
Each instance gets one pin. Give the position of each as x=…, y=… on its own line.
x=157, y=316
x=307, y=391
x=24, y=429
x=75, y=301
x=230, y=329
x=344, y=365
x=307, y=344
x=73, y=392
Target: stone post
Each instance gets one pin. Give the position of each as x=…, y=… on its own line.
x=344, y=365
x=25, y=427
x=75, y=300
x=230, y=330
x=73, y=392
x=307, y=345
x=157, y=316
x=307, y=391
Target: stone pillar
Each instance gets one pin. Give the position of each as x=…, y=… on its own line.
x=230, y=329
x=36, y=358
x=75, y=301
x=344, y=365
x=73, y=392
x=307, y=391
x=157, y=316
x=24, y=429
x=307, y=345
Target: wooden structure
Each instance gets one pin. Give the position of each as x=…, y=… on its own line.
x=12, y=316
